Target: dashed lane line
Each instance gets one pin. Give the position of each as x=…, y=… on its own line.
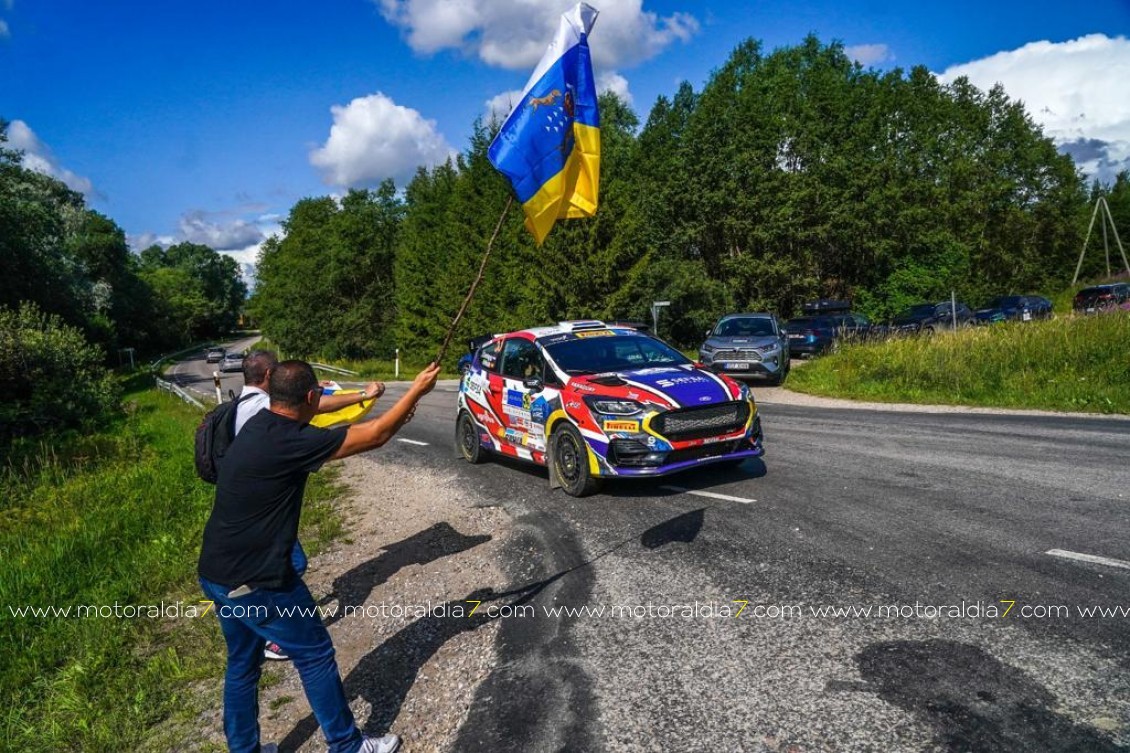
x=1089, y=558
x=711, y=495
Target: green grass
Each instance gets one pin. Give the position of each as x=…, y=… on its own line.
x=1066, y=364
x=111, y=518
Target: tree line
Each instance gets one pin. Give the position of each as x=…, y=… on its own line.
x=792, y=175
x=72, y=295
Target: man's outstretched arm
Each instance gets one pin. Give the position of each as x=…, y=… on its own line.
x=373, y=434
x=331, y=403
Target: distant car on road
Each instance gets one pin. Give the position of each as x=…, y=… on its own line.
x=747, y=345
x=1017, y=308
x=928, y=318
x=232, y=362
x=813, y=335
x=1101, y=297
x=214, y=355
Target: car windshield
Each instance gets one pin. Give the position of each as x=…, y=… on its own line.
x=745, y=326
x=922, y=309
x=595, y=355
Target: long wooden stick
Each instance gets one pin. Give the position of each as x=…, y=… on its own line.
x=474, y=285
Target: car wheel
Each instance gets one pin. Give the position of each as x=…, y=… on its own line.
x=569, y=455
x=927, y=331
x=467, y=439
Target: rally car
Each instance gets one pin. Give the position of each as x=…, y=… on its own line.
x=592, y=401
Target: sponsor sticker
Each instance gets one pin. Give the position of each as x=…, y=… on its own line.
x=676, y=381
x=597, y=333
x=630, y=426
x=517, y=399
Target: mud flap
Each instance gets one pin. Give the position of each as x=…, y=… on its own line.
x=554, y=481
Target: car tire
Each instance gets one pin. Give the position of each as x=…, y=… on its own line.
x=569, y=455
x=467, y=439
x=927, y=331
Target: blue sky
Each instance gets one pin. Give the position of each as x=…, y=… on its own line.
x=207, y=121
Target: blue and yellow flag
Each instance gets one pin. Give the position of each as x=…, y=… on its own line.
x=549, y=146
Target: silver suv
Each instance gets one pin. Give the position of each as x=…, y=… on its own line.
x=747, y=345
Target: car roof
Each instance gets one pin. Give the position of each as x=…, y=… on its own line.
x=756, y=315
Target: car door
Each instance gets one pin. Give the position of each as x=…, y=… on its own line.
x=521, y=370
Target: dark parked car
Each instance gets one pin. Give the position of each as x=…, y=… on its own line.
x=928, y=318
x=214, y=355
x=747, y=345
x=1101, y=297
x=813, y=335
x=1015, y=308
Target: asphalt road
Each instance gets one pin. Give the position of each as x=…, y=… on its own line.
x=916, y=513
x=943, y=520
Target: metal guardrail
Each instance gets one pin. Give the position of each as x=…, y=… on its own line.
x=175, y=390
x=333, y=369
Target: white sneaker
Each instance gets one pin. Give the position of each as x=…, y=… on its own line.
x=386, y=744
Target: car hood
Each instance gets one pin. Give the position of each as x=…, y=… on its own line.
x=741, y=342
x=674, y=386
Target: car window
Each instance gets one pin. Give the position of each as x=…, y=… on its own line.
x=594, y=355
x=744, y=326
x=520, y=359
x=488, y=356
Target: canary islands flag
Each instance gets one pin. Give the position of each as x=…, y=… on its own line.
x=549, y=146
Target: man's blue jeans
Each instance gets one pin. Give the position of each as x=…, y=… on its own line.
x=289, y=618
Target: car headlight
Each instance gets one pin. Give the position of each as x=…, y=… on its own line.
x=708, y=348
x=615, y=407
x=768, y=348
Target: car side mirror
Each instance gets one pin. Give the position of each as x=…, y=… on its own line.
x=706, y=334
x=534, y=383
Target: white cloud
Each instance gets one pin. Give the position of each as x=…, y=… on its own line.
x=1074, y=89
x=39, y=158
x=514, y=33
x=869, y=54
x=611, y=81
x=198, y=226
x=374, y=138
x=500, y=105
x=138, y=242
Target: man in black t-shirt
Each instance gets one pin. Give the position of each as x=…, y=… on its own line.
x=245, y=561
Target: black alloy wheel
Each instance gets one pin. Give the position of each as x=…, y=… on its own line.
x=467, y=439
x=570, y=460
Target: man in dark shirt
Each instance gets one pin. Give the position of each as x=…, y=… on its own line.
x=245, y=561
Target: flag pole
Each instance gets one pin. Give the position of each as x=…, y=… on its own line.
x=474, y=285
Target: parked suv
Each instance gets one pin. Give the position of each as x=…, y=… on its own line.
x=928, y=318
x=747, y=345
x=1101, y=297
x=1019, y=308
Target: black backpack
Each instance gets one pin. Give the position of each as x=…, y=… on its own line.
x=213, y=437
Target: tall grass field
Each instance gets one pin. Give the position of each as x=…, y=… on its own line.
x=111, y=518
x=1070, y=363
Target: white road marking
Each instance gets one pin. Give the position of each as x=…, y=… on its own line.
x=712, y=495
x=411, y=441
x=1089, y=558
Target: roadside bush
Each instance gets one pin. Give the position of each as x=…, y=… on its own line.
x=50, y=376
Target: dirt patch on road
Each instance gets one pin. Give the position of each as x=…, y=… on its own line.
x=416, y=542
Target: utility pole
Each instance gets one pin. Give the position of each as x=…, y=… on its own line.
x=1101, y=206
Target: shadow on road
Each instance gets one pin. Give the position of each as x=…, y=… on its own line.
x=352, y=588
x=972, y=700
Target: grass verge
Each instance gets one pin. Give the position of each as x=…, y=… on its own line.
x=112, y=518
x=1066, y=364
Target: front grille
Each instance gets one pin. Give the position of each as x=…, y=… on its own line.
x=697, y=423
x=705, y=451
x=745, y=354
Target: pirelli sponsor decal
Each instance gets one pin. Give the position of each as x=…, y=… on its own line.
x=621, y=426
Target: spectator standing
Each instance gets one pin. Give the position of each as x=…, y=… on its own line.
x=245, y=564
